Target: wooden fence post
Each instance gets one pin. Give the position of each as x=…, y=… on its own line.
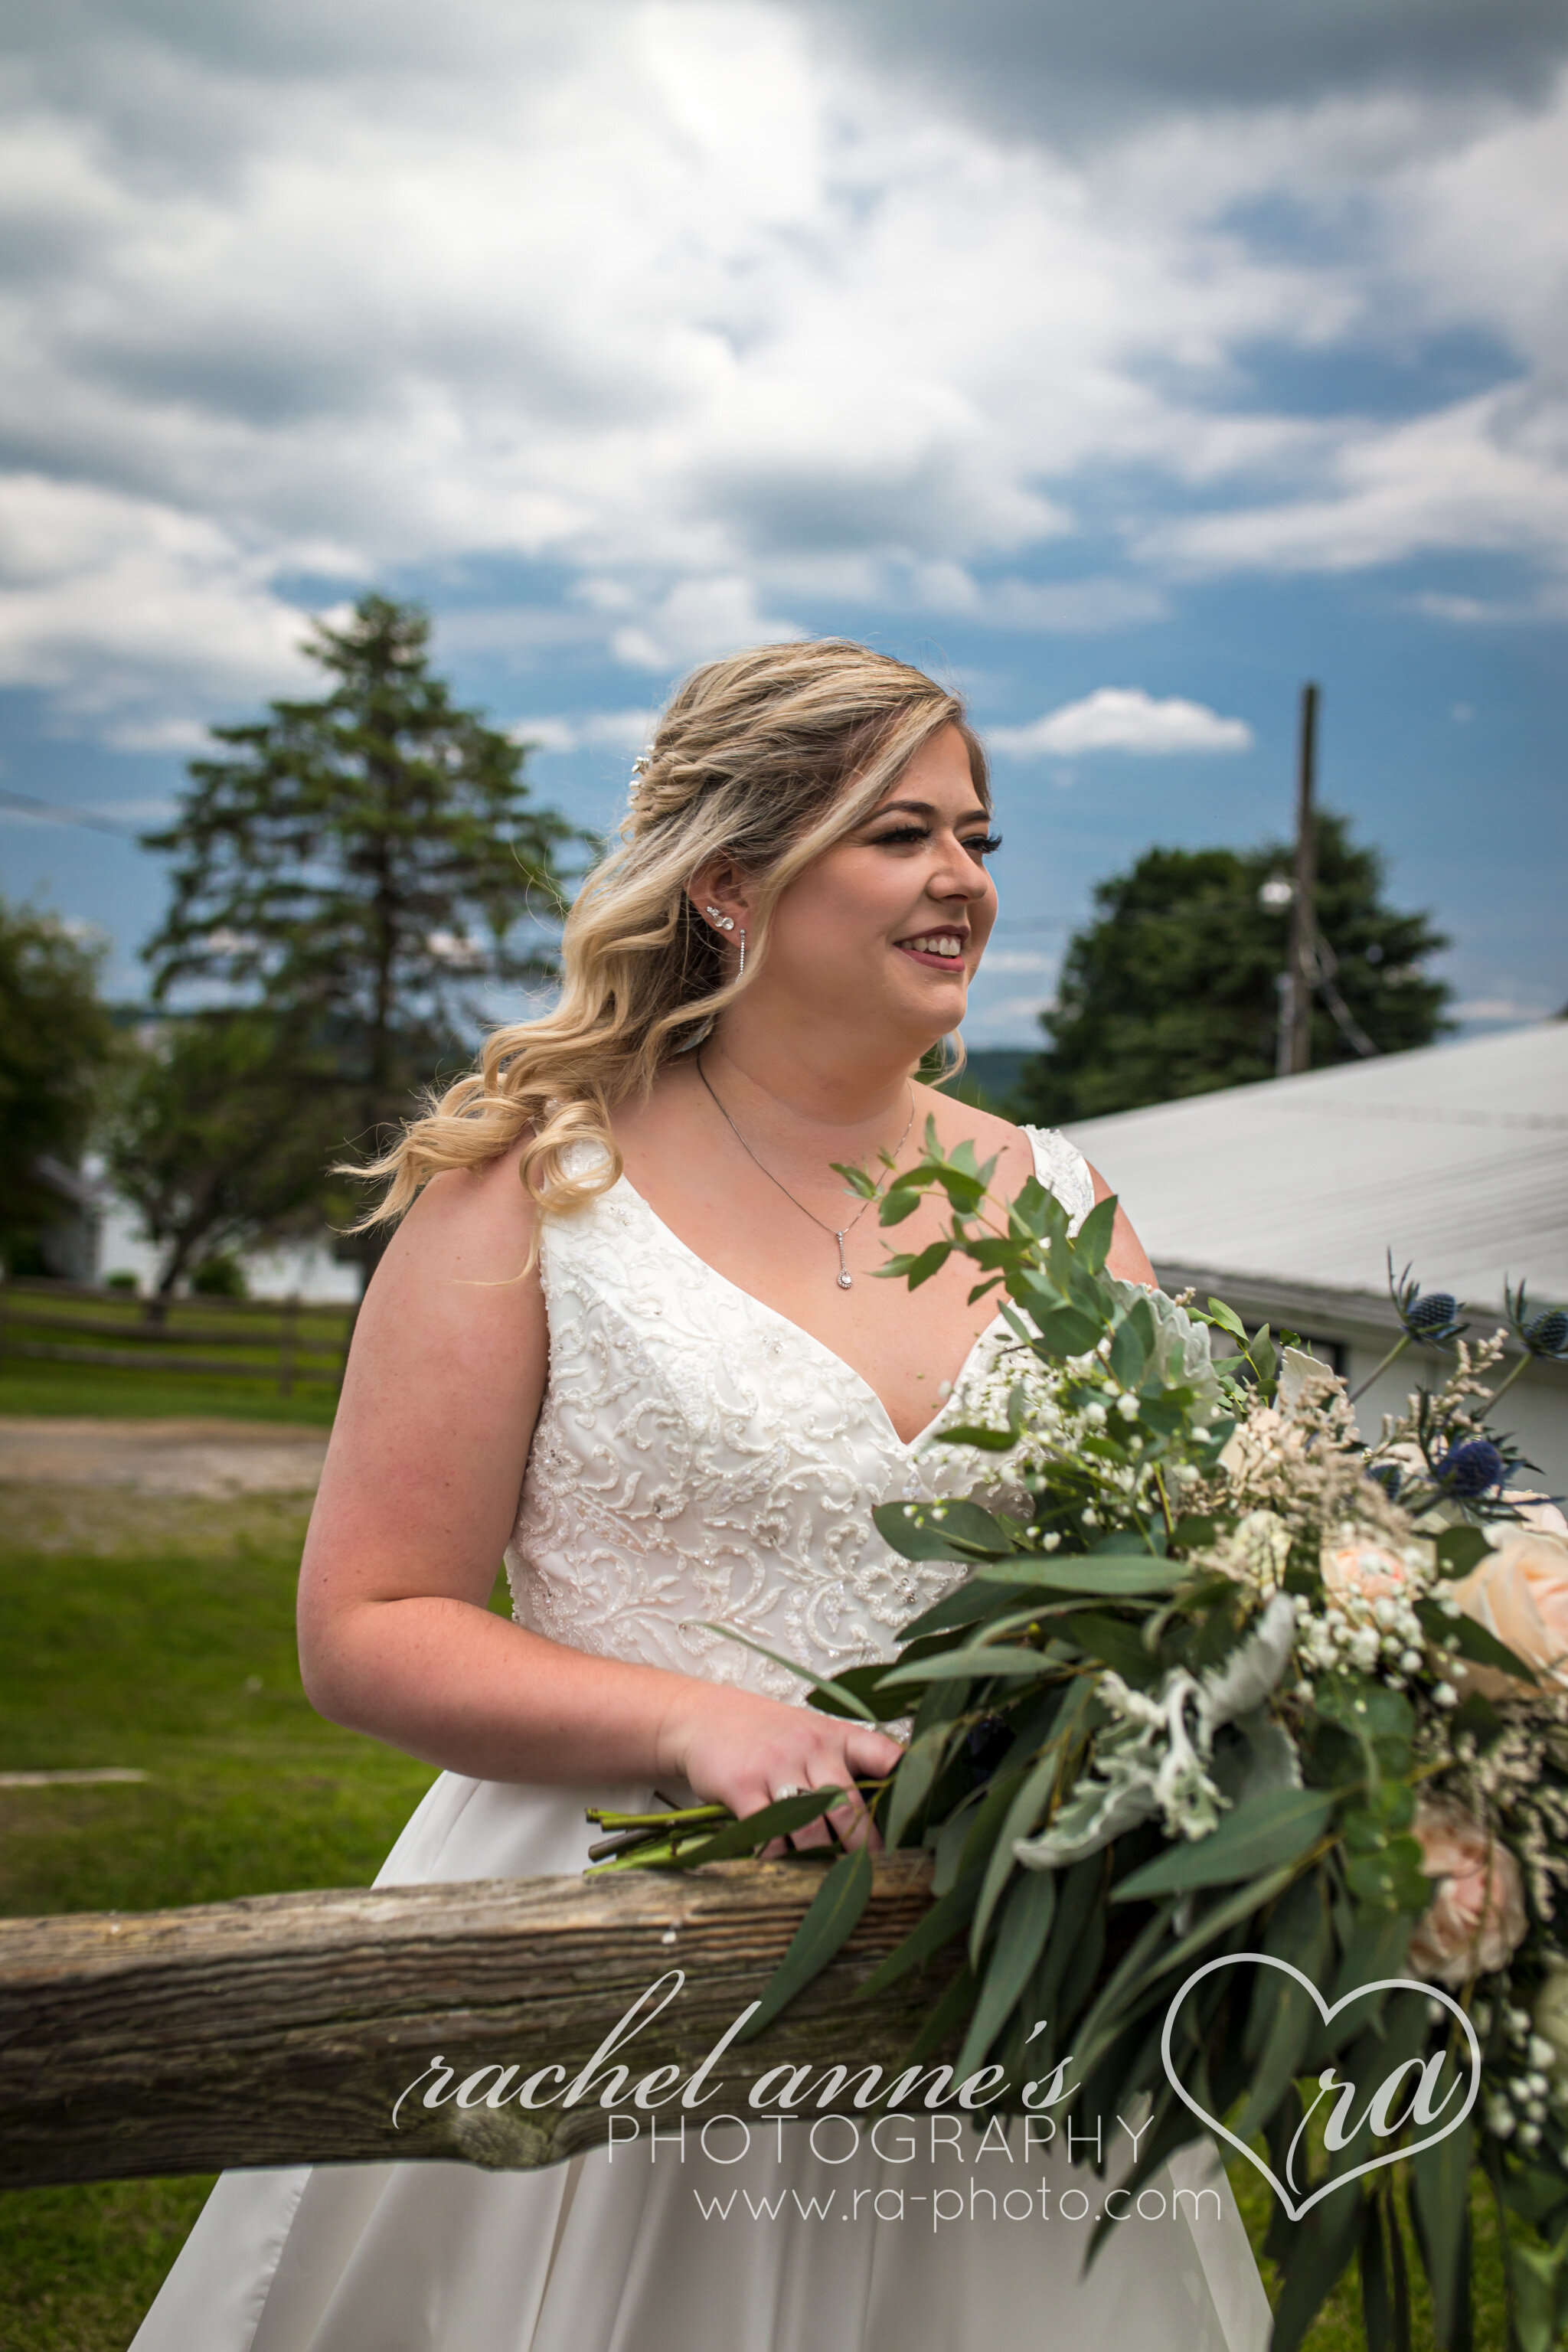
x=286, y=1348
x=282, y=2029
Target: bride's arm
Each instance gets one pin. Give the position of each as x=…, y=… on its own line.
x=416, y=1504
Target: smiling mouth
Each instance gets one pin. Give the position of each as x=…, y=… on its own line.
x=941, y=951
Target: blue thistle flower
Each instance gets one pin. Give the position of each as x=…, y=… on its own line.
x=1470, y=1468
x=1432, y=1317
x=1426, y=1320
x=1547, y=1334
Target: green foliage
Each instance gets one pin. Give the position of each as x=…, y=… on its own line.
x=223, y=1129
x=1172, y=989
x=55, y=1043
x=157, y=1632
x=222, y=1276
x=367, y=869
x=1145, y=1740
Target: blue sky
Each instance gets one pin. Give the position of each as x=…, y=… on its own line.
x=1126, y=366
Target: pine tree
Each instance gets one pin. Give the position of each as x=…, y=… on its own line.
x=369, y=870
x=1173, y=988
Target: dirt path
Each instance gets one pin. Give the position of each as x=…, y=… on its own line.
x=164, y=1457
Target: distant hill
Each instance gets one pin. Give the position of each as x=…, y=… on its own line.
x=989, y=1075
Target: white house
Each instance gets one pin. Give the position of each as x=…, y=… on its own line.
x=1284, y=1199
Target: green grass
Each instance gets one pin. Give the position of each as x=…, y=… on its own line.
x=1339, y=2325
x=76, y=1389
x=157, y=1632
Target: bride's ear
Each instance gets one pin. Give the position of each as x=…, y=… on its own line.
x=717, y=891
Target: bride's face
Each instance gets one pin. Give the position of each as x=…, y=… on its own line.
x=887, y=927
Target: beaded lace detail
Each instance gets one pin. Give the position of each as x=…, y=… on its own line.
x=700, y=1456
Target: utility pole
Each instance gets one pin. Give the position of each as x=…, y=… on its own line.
x=1295, y=1036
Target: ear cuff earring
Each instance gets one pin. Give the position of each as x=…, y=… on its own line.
x=722, y=922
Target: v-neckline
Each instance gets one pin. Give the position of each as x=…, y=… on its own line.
x=905, y=1445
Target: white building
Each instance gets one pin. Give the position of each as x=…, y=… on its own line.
x=1284, y=1199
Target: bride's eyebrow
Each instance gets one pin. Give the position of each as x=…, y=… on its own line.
x=926, y=809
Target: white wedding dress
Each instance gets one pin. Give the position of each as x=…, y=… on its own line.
x=700, y=1456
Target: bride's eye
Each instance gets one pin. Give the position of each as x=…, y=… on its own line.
x=900, y=834
x=982, y=845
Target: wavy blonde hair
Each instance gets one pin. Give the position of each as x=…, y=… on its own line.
x=767, y=757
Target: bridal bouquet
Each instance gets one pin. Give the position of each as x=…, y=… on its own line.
x=1237, y=1726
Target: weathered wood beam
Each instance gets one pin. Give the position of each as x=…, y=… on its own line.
x=282, y=2030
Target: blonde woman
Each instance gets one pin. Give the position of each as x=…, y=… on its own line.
x=626, y=1333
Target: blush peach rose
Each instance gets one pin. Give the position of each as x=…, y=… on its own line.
x=1358, y=1570
x=1476, y=1918
x=1519, y=1592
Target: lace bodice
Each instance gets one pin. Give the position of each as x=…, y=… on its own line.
x=698, y=1456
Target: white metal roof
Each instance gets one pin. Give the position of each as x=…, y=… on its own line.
x=1454, y=1157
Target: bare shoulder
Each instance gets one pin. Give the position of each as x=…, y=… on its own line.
x=957, y=1121
x=1016, y=1158
x=467, y=1220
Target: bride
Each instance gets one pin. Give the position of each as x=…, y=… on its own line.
x=626, y=1333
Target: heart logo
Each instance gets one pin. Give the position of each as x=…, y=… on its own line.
x=1297, y=2208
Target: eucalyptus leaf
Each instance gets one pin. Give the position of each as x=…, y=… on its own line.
x=946, y=1918
x=1092, y=1241
x=1473, y=1640
x=780, y=1818
x=847, y=1703
x=1068, y=1330
x=1267, y=1833
x=832, y=1919
x=1113, y=1578
x=1025, y=1923
x=956, y=1530
x=979, y=1663
x=1460, y=1549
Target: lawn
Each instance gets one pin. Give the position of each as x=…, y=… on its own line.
x=157, y=1632
x=70, y=1390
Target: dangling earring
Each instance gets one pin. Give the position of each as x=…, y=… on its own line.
x=720, y=922
x=740, y=974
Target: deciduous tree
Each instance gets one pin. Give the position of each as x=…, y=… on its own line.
x=1173, y=987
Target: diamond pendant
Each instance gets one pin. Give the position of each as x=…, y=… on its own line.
x=846, y=1279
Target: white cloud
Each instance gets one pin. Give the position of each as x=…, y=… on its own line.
x=112, y=599
x=157, y=735
x=612, y=730
x=1018, y=1013
x=1124, y=719
x=694, y=305
x=1017, y=959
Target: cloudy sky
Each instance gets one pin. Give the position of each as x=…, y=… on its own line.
x=1126, y=365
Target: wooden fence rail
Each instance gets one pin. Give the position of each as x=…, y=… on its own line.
x=290, y=1342
x=282, y=2029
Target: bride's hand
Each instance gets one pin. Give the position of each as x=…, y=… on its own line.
x=735, y=1748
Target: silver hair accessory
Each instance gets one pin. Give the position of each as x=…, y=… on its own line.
x=720, y=922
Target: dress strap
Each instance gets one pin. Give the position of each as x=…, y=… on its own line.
x=1062, y=1170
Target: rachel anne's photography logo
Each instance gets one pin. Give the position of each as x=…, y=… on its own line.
x=1412, y=2094
x=1413, y=2103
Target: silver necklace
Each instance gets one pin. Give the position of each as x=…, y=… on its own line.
x=846, y=1279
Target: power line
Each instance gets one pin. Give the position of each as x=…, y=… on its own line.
x=62, y=813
